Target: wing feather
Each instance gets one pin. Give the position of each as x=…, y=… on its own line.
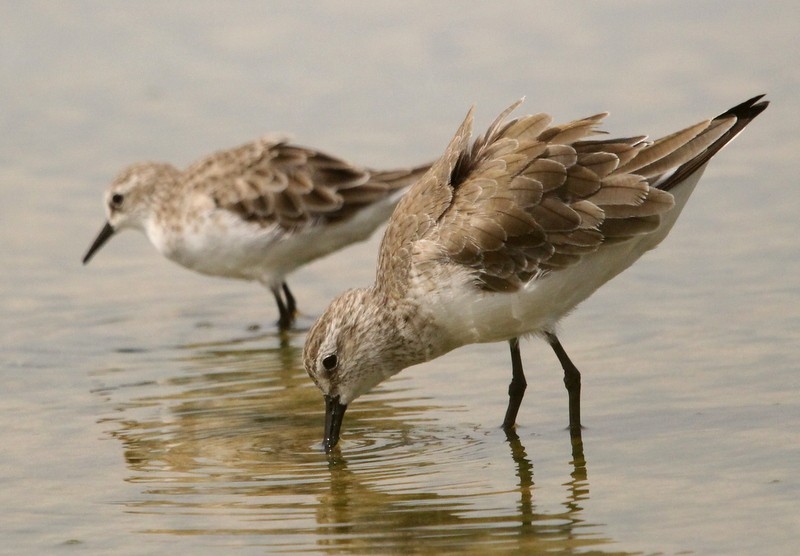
x=270, y=181
x=528, y=198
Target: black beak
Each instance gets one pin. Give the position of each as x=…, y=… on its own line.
x=102, y=237
x=334, y=414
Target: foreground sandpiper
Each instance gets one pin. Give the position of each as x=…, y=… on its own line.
x=500, y=240
x=255, y=212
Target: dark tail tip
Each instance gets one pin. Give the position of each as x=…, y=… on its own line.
x=747, y=110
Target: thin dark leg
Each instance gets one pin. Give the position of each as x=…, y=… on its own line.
x=285, y=319
x=516, y=390
x=572, y=380
x=291, y=306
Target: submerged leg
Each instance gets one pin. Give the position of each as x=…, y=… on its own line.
x=572, y=380
x=516, y=390
x=286, y=317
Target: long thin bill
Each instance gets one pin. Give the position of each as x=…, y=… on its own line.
x=334, y=414
x=102, y=237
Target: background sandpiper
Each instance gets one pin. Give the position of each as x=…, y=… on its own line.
x=255, y=212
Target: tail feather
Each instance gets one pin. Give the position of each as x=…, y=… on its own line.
x=744, y=114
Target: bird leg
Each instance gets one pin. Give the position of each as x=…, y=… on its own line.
x=286, y=310
x=572, y=380
x=291, y=306
x=516, y=390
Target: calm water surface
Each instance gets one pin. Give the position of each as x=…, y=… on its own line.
x=148, y=410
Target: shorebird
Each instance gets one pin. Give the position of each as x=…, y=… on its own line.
x=503, y=238
x=254, y=212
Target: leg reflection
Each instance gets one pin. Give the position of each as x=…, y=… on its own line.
x=525, y=474
x=536, y=521
x=579, y=485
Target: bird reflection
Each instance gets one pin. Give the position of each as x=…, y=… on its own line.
x=355, y=506
x=225, y=441
x=577, y=489
x=525, y=474
x=579, y=485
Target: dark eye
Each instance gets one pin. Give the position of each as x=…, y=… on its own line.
x=116, y=200
x=330, y=362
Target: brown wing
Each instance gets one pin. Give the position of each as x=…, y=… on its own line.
x=419, y=210
x=528, y=198
x=271, y=181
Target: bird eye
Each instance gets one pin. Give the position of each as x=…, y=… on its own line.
x=330, y=362
x=116, y=200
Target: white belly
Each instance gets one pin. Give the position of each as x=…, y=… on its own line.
x=220, y=243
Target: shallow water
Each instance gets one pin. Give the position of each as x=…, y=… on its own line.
x=146, y=409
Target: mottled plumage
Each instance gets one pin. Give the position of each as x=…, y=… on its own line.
x=255, y=212
x=501, y=239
